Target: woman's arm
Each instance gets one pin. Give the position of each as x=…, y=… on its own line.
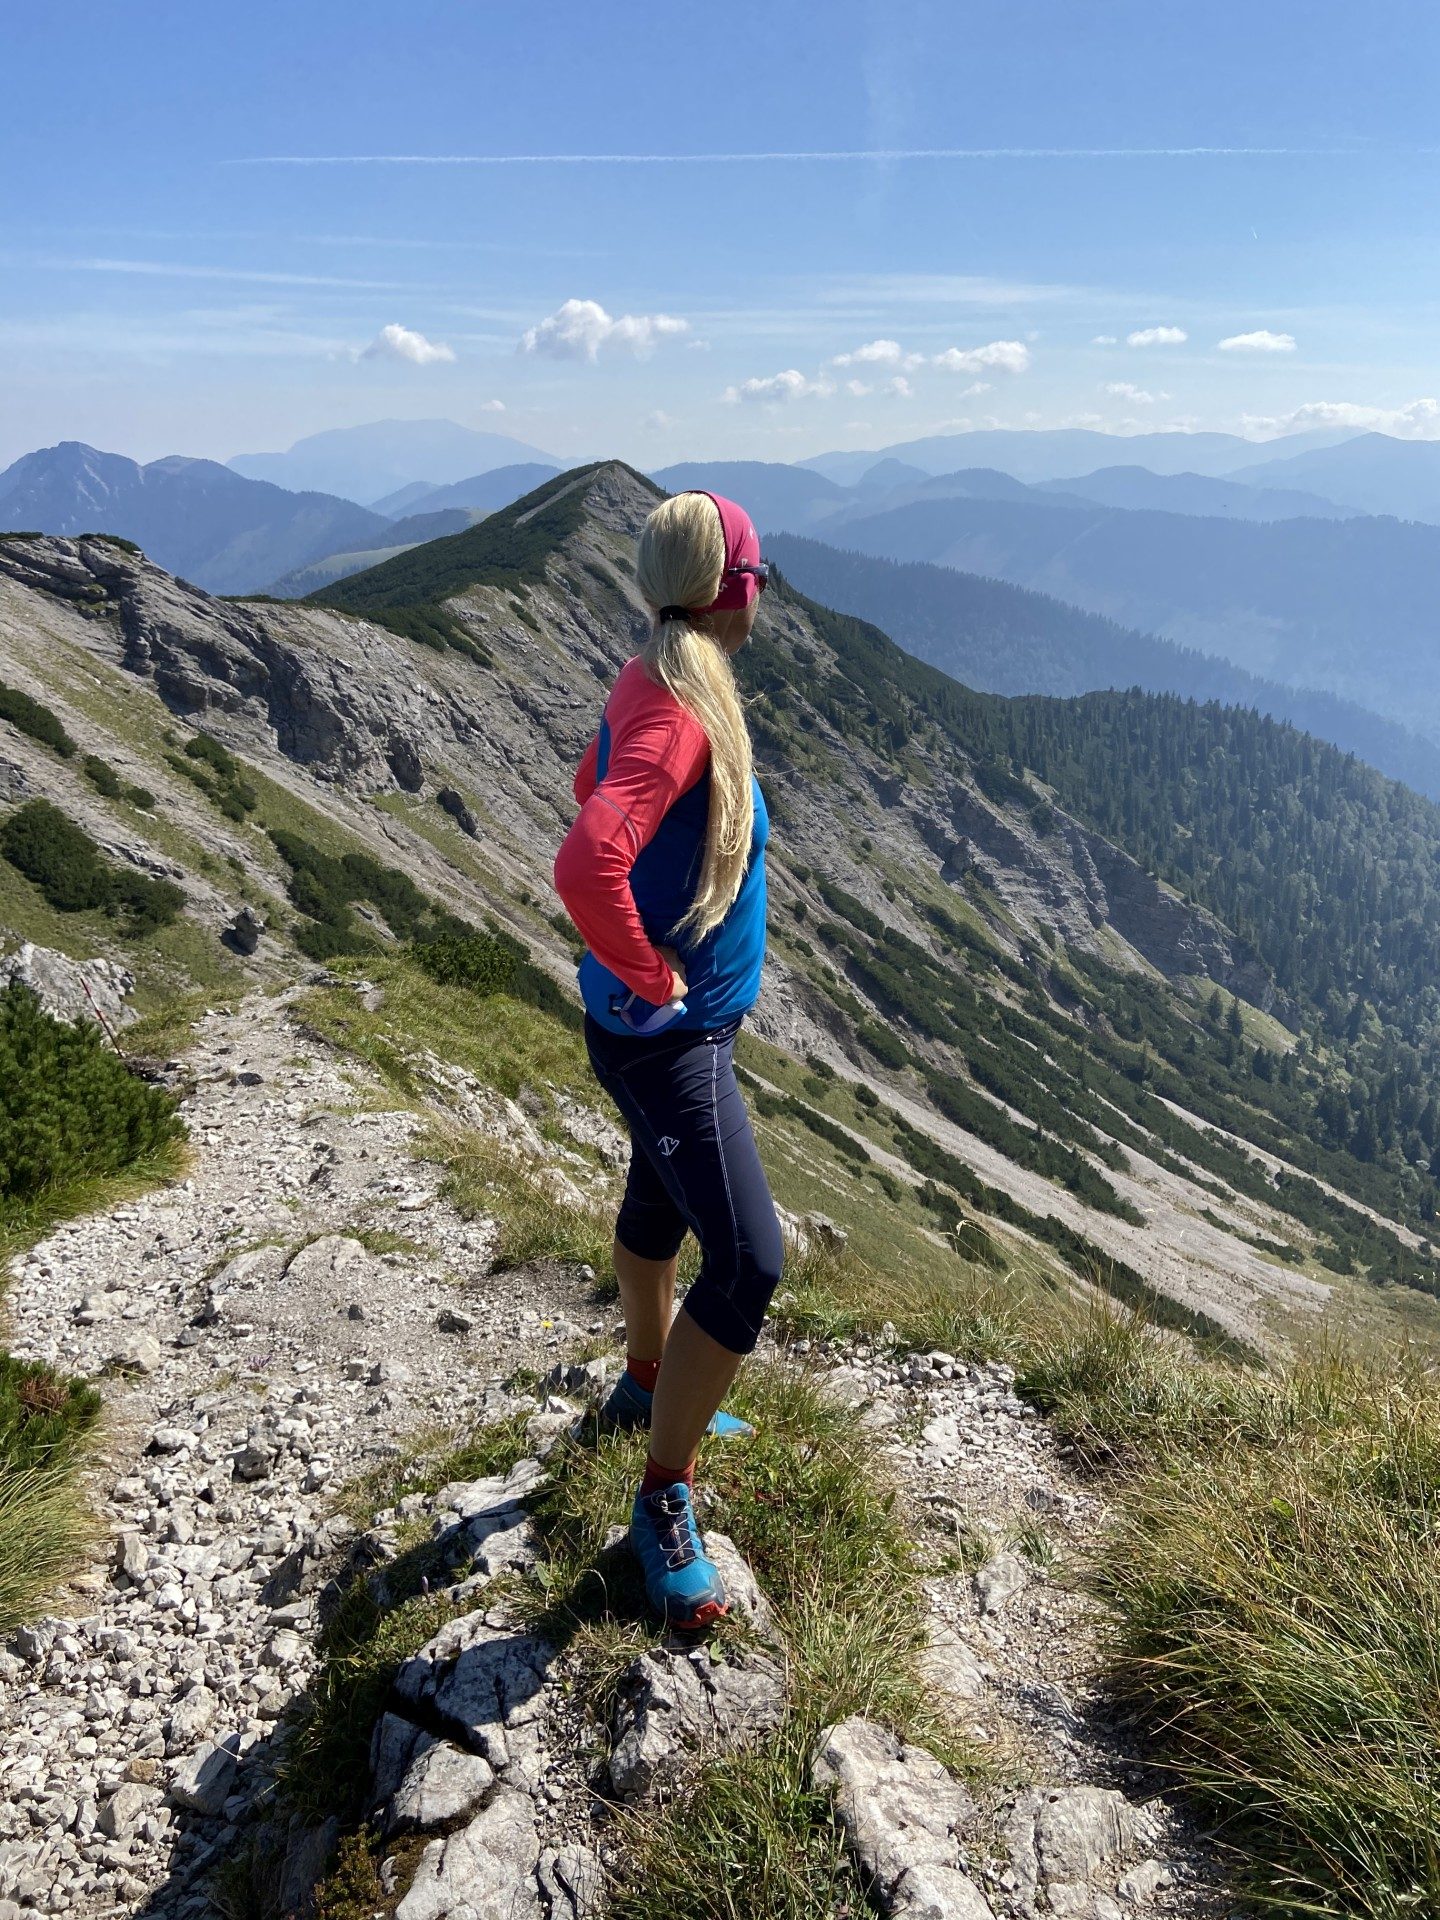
x=656, y=758
x=585, y=772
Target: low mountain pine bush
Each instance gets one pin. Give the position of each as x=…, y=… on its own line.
x=68, y=868
x=70, y=1110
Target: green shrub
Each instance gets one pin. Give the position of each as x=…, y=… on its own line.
x=67, y=866
x=28, y=716
x=493, y=962
x=70, y=1110
x=217, y=773
x=102, y=776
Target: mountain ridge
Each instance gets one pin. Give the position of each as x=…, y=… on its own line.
x=942, y=922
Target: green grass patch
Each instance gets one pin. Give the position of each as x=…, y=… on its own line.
x=807, y=1505
x=505, y=1043
x=535, y=1222
x=1274, y=1582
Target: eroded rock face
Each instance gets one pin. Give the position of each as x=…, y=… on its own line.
x=904, y=1817
x=675, y=1706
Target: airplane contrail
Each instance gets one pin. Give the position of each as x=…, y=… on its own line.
x=811, y=155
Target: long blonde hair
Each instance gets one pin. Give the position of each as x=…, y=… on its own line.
x=680, y=562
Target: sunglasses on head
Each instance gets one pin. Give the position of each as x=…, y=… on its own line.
x=760, y=569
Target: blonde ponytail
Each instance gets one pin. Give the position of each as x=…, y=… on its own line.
x=679, y=563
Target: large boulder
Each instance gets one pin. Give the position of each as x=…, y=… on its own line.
x=95, y=990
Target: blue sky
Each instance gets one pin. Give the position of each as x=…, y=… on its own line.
x=1066, y=189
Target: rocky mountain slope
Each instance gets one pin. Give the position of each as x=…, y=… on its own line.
x=431, y=726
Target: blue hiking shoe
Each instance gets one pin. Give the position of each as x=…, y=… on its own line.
x=628, y=1407
x=682, y=1585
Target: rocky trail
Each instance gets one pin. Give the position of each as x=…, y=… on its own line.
x=294, y=1313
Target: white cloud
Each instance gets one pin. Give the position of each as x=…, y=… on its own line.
x=402, y=343
x=1416, y=420
x=1000, y=356
x=858, y=389
x=578, y=329
x=899, y=388
x=778, y=388
x=492, y=406
x=1125, y=390
x=1262, y=341
x=880, y=353
x=658, y=420
x=1157, y=337
x=1104, y=340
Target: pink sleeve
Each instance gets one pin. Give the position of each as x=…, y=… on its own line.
x=658, y=752
x=585, y=772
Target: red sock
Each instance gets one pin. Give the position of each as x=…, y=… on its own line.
x=657, y=1476
x=643, y=1372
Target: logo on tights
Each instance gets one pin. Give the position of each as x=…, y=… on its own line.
x=667, y=1144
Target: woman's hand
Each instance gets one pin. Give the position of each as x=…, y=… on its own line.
x=678, y=986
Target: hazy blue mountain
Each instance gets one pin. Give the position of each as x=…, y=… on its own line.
x=483, y=492
x=374, y=461
x=1347, y=606
x=1051, y=453
x=1138, y=490
x=889, y=473
x=1372, y=471
x=1004, y=639
x=194, y=517
x=398, y=537
x=773, y=494
x=406, y=499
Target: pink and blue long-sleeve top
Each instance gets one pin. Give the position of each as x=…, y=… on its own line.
x=629, y=867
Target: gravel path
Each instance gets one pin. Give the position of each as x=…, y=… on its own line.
x=284, y=1319
x=260, y=1341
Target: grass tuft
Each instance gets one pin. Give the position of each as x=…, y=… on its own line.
x=1273, y=1576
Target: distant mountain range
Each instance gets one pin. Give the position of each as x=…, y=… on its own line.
x=1004, y=639
x=1050, y=453
x=373, y=462
x=229, y=534
x=193, y=517
x=1348, y=606
x=1372, y=472
x=479, y=492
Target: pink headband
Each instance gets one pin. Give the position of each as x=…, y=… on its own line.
x=742, y=547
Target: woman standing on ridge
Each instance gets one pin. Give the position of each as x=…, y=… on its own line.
x=669, y=847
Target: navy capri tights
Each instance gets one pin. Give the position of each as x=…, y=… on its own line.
x=693, y=1164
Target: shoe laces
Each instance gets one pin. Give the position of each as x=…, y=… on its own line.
x=674, y=1527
